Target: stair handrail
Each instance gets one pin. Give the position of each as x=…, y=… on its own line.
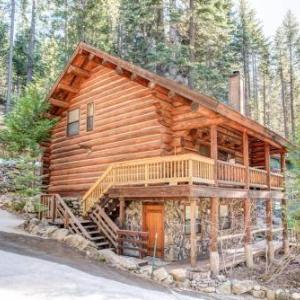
x=67, y=212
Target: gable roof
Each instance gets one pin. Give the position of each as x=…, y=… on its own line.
x=87, y=59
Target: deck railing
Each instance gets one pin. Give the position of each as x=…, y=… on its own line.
x=229, y=173
x=257, y=177
x=187, y=168
x=277, y=180
x=169, y=169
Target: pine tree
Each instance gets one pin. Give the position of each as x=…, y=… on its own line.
x=292, y=42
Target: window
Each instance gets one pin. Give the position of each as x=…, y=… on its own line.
x=73, y=122
x=90, y=117
x=187, y=219
x=224, y=217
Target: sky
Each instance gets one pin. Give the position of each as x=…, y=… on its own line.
x=271, y=12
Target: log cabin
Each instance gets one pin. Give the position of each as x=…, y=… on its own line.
x=160, y=169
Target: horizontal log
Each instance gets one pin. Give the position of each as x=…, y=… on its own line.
x=68, y=88
x=78, y=71
x=196, y=123
x=58, y=103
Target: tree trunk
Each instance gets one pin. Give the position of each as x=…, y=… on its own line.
x=10, y=58
x=191, y=43
x=292, y=91
x=30, y=54
x=264, y=100
x=283, y=101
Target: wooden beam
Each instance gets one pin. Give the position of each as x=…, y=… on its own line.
x=58, y=103
x=184, y=191
x=196, y=123
x=79, y=71
x=193, y=232
x=68, y=88
x=151, y=85
x=122, y=212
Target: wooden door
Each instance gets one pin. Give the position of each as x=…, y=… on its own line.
x=153, y=222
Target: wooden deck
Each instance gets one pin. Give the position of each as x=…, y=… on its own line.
x=189, y=169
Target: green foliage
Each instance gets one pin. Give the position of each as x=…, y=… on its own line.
x=18, y=206
x=25, y=177
x=26, y=124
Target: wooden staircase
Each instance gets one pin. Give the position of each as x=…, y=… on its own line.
x=97, y=226
x=57, y=211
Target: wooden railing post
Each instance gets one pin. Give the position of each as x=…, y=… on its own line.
x=146, y=174
x=214, y=150
x=190, y=171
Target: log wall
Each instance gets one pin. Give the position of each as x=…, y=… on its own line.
x=130, y=122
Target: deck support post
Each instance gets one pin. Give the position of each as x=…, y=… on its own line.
x=247, y=205
x=193, y=233
x=214, y=226
x=269, y=209
x=284, y=220
x=122, y=212
x=214, y=206
x=248, y=236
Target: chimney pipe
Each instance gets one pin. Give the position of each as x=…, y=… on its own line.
x=236, y=92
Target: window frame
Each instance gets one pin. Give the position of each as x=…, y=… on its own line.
x=188, y=225
x=228, y=222
x=68, y=123
x=92, y=116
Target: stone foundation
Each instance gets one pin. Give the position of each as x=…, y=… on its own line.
x=176, y=241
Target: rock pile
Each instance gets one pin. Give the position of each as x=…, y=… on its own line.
x=178, y=277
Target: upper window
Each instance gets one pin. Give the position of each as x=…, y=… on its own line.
x=187, y=218
x=90, y=117
x=73, y=122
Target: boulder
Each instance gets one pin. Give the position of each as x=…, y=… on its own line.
x=60, y=234
x=241, y=286
x=77, y=241
x=295, y=296
x=258, y=294
x=50, y=230
x=282, y=295
x=224, y=288
x=178, y=274
x=270, y=295
x=221, y=278
x=92, y=253
x=146, y=270
x=118, y=261
x=169, y=280
x=160, y=274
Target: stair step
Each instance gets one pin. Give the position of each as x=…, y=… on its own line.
x=85, y=222
x=90, y=226
x=96, y=238
x=93, y=232
x=102, y=244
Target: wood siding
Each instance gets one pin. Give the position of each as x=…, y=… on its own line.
x=129, y=123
